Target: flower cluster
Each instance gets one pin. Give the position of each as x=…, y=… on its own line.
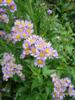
x=10, y=3
x=3, y=16
x=21, y=30
x=62, y=87
x=38, y=48
x=10, y=68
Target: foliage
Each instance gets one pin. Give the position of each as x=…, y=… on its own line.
x=59, y=29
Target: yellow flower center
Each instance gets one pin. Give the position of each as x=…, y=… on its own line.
x=28, y=30
x=17, y=36
x=33, y=50
x=27, y=50
x=21, y=30
x=12, y=7
x=47, y=50
x=40, y=46
x=23, y=23
x=40, y=61
x=42, y=54
x=8, y=1
x=24, y=34
x=31, y=41
x=26, y=44
x=29, y=24
x=0, y=1
x=17, y=23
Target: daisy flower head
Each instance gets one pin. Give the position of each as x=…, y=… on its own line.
x=33, y=51
x=41, y=54
x=29, y=27
x=39, y=45
x=12, y=7
x=51, y=53
x=67, y=81
x=39, y=62
x=4, y=18
x=26, y=44
x=26, y=49
x=15, y=37
x=28, y=24
x=71, y=91
x=25, y=53
x=17, y=22
x=33, y=39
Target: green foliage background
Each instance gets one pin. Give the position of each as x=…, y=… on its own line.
x=59, y=28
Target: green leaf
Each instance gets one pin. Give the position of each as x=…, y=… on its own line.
x=47, y=72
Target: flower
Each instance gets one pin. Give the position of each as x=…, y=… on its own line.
x=41, y=54
x=49, y=11
x=12, y=7
x=71, y=91
x=4, y=18
x=37, y=47
x=10, y=68
x=62, y=87
x=39, y=62
x=8, y=1
x=33, y=51
x=21, y=30
x=26, y=44
x=10, y=4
